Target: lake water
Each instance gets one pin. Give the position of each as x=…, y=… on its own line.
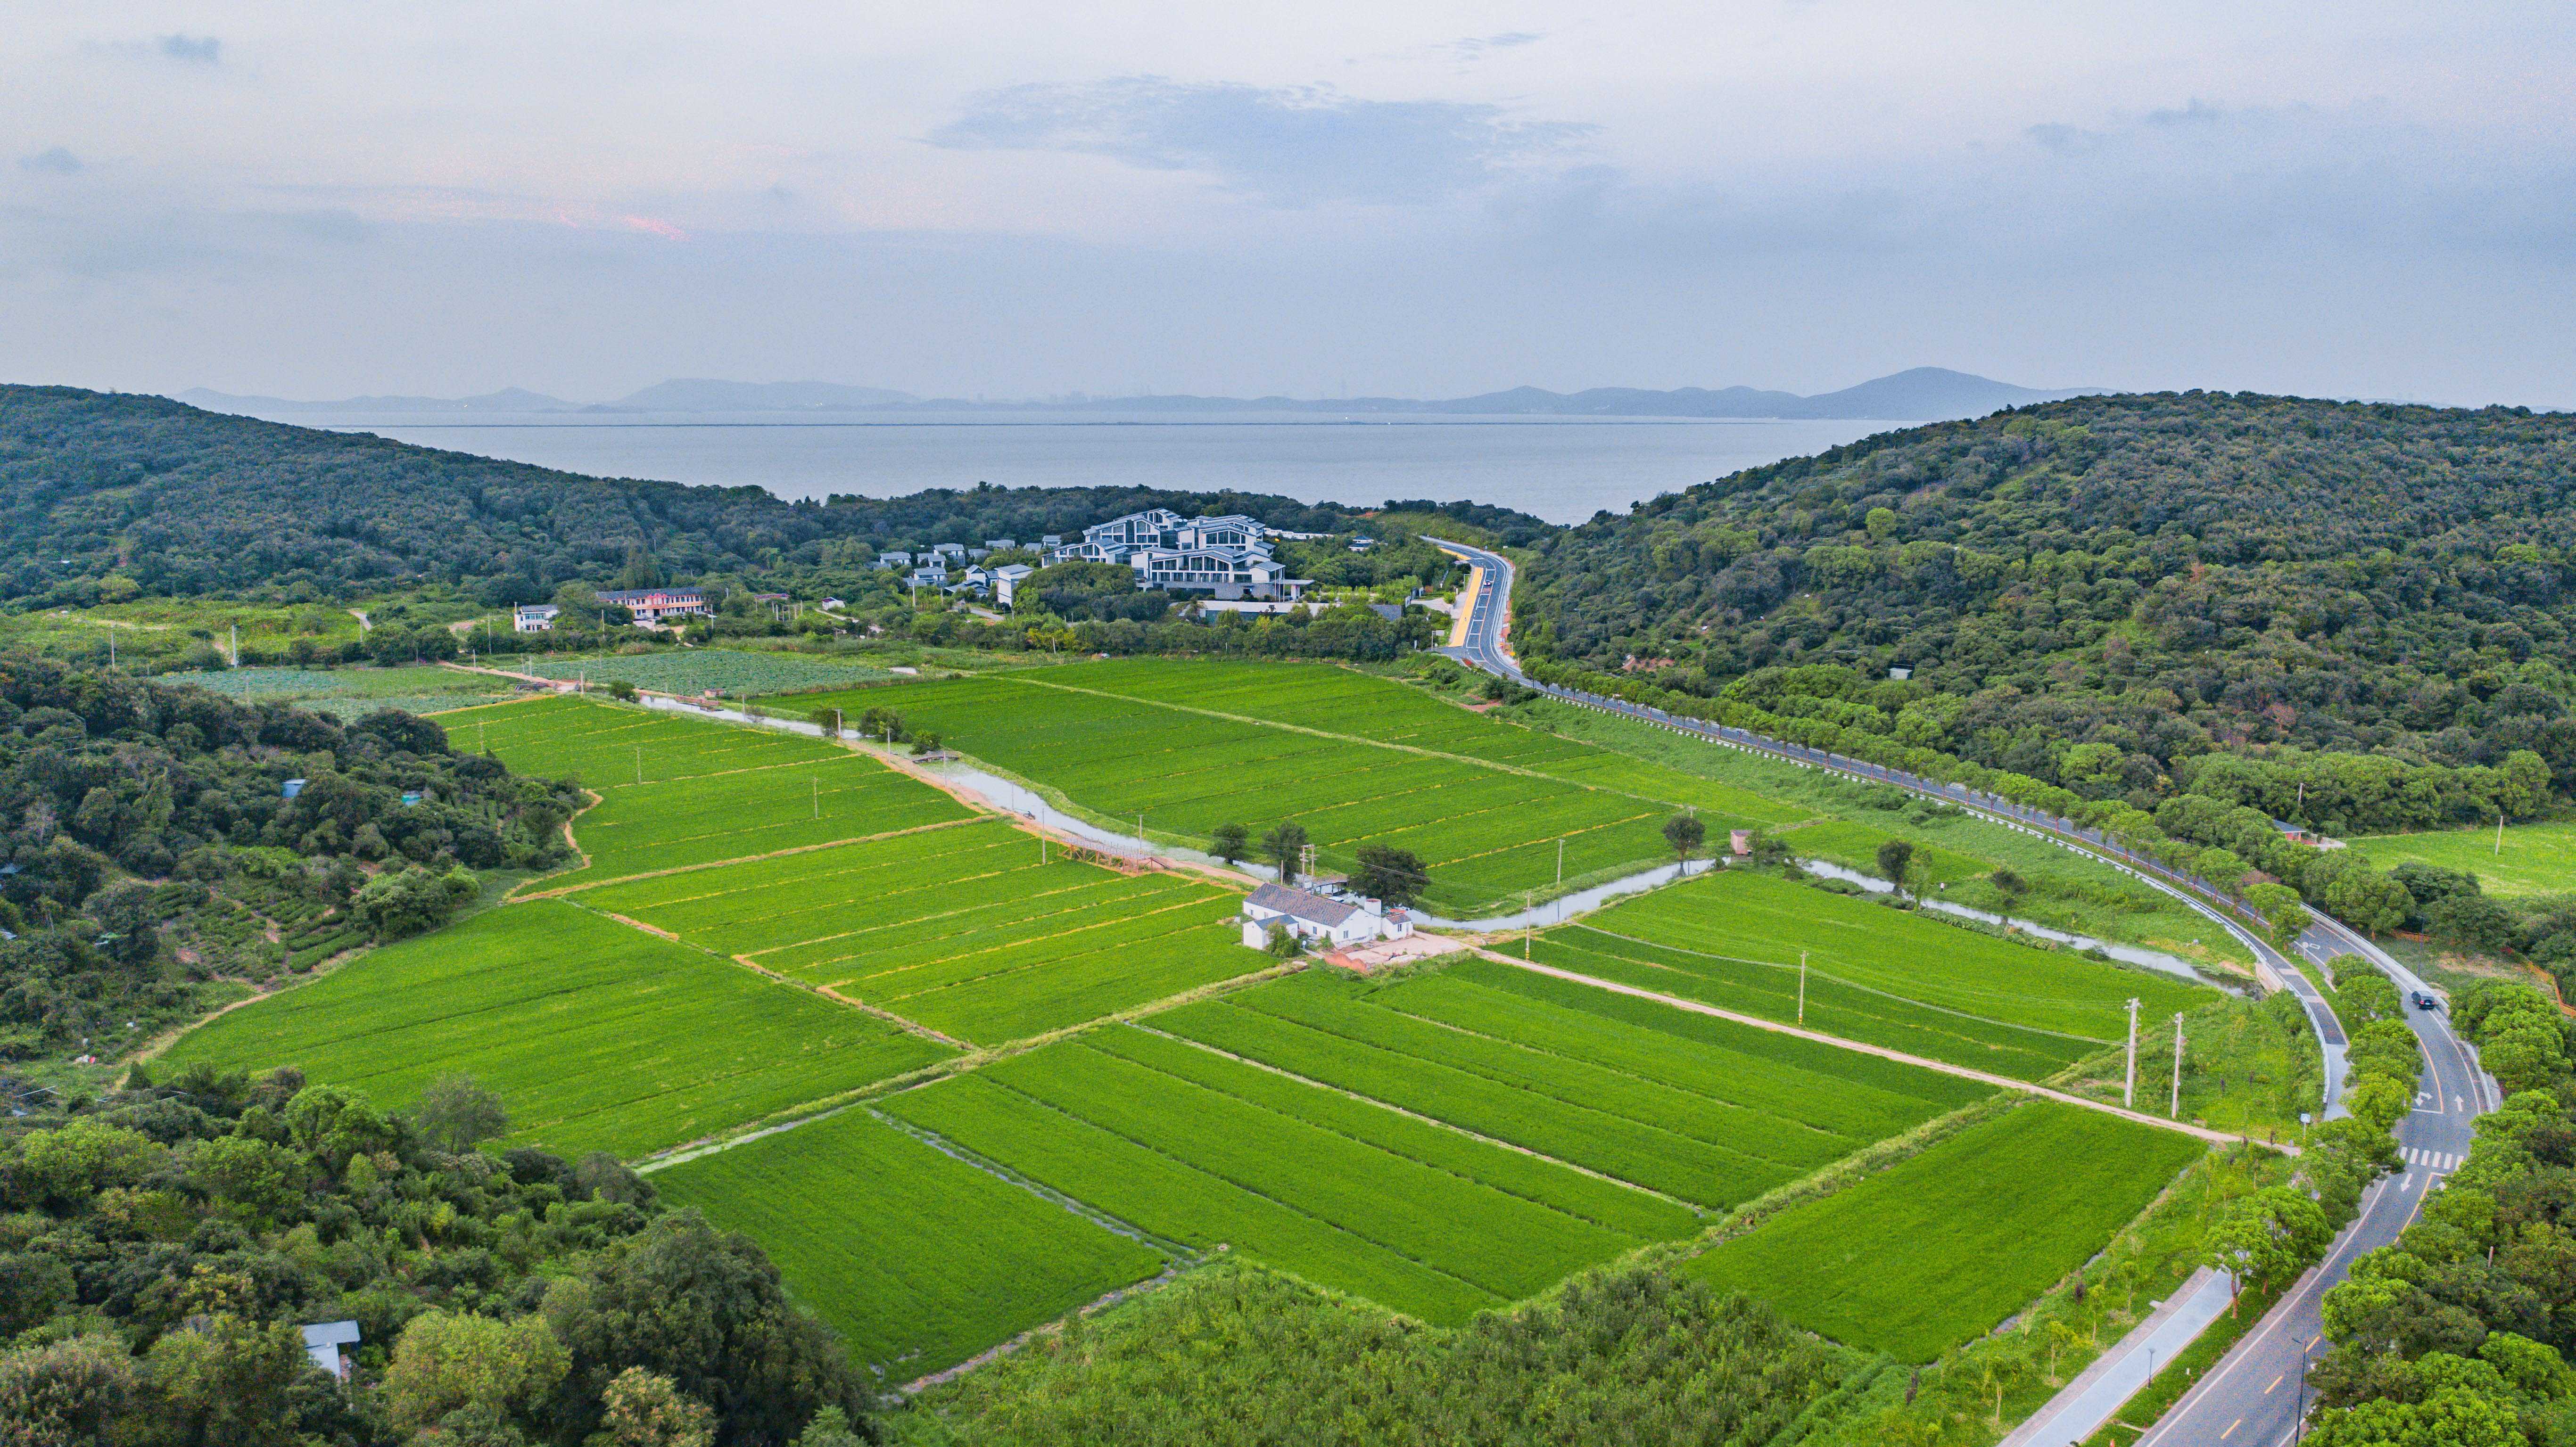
x=1562, y=469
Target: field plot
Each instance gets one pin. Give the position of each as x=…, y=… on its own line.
x=1940, y=1248
x=679, y=791
x=596, y=1035
x=731, y=671
x=918, y=1259
x=351, y=692
x=1876, y=975
x=2533, y=859
x=962, y=928
x=1710, y=1116
x=1485, y=828
x=1199, y=1164
x=1854, y=845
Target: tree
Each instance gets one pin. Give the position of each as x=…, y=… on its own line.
x=704, y=1309
x=2012, y=885
x=1896, y=862
x=66, y=1391
x=1285, y=846
x=225, y=1383
x=1393, y=875
x=621, y=690
x=444, y=1361
x=459, y=1114
x=643, y=1410
x=830, y=1428
x=1685, y=833
x=2260, y=1237
x=409, y=901
x=1229, y=841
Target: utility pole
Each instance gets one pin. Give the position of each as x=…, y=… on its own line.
x=639, y=763
x=2175, y=1112
x=1802, y=987
x=1560, y=860
x=2499, y=845
x=236, y=645
x=1525, y=926
x=818, y=796
x=2129, y=1088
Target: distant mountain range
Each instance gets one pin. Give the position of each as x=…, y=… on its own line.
x=1922, y=394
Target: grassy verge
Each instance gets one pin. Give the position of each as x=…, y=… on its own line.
x=2249, y=1068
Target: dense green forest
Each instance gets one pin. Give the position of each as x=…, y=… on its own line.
x=106, y=496
x=2097, y=592
x=163, y=1244
x=150, y=852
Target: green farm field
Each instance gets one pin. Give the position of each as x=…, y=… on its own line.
x=1356, y=760
x=1938, y=1249
x=1711, y=1117
x=677, y=791
x=1875, y=974
x=918, y=1259
x=351, y=691
x=2533, y=858
x=600, y=1036
x=961, y=928
x=733, y=672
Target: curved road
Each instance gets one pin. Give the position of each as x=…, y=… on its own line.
x=2254, y=1395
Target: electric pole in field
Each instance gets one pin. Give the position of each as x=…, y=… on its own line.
x=818, y=796
x=639, y=763
x=1802, y=987
x=1560, y=860
x=2129, y=1089
x=2175, y=1112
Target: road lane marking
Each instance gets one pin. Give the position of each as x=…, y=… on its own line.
x=2231, y=1429
x=2276, y=1383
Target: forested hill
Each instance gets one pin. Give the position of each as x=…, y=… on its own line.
x=98, y=486
x=2157, y=576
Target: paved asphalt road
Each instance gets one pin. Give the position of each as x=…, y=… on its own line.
x=2254, y=1394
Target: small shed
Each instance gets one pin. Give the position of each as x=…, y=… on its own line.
x=290, y=788
x=327, y=1343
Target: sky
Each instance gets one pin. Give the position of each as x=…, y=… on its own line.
x=979, y=198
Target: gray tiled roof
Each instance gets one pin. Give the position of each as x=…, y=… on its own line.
x=1313, y=908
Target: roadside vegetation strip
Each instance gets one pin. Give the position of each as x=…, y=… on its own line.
x=919, y=1260
x=1614, y=1205
x=601, y=1037
x=1938, y=1249
x=1747, y=915
x=1159, y=1194
x=1501, y=1243
x=1650, y=1156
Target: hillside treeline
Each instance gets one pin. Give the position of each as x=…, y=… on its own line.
x=104, y=496
x=148, y=845
x=2096, y=592
x=162, y=1245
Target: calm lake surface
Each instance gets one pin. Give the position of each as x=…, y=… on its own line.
x=1562, y=469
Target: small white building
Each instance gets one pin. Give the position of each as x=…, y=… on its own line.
x=1000, y=545
x=1330, y=922
x=534, y=618
x=1006, y=581
x=896, y=559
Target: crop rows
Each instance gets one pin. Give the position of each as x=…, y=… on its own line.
x=606, y=747
x=1637, y=1105
x=726, y=670
x=643, y=827
x=919, y=1260
x=1459, y=1239
x=1940, y=1248
x=600, y=1037
x=1337, y=700
x=1484, y=832
x=962, y=929
x=1876, y=975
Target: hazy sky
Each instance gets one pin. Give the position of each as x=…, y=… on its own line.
x=314, y=199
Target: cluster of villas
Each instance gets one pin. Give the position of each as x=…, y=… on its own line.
x=1226, y=560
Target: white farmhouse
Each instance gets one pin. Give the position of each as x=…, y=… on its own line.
x=1006, y=581
x=1329, y=922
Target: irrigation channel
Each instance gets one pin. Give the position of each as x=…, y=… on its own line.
x=2242, y=1398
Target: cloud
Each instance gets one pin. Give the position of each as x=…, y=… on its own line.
x=1476, y=47
x=53, y=160
x=191, y=49
x=1292, y=146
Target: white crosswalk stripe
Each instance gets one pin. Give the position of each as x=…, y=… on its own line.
x=2432, y=1160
